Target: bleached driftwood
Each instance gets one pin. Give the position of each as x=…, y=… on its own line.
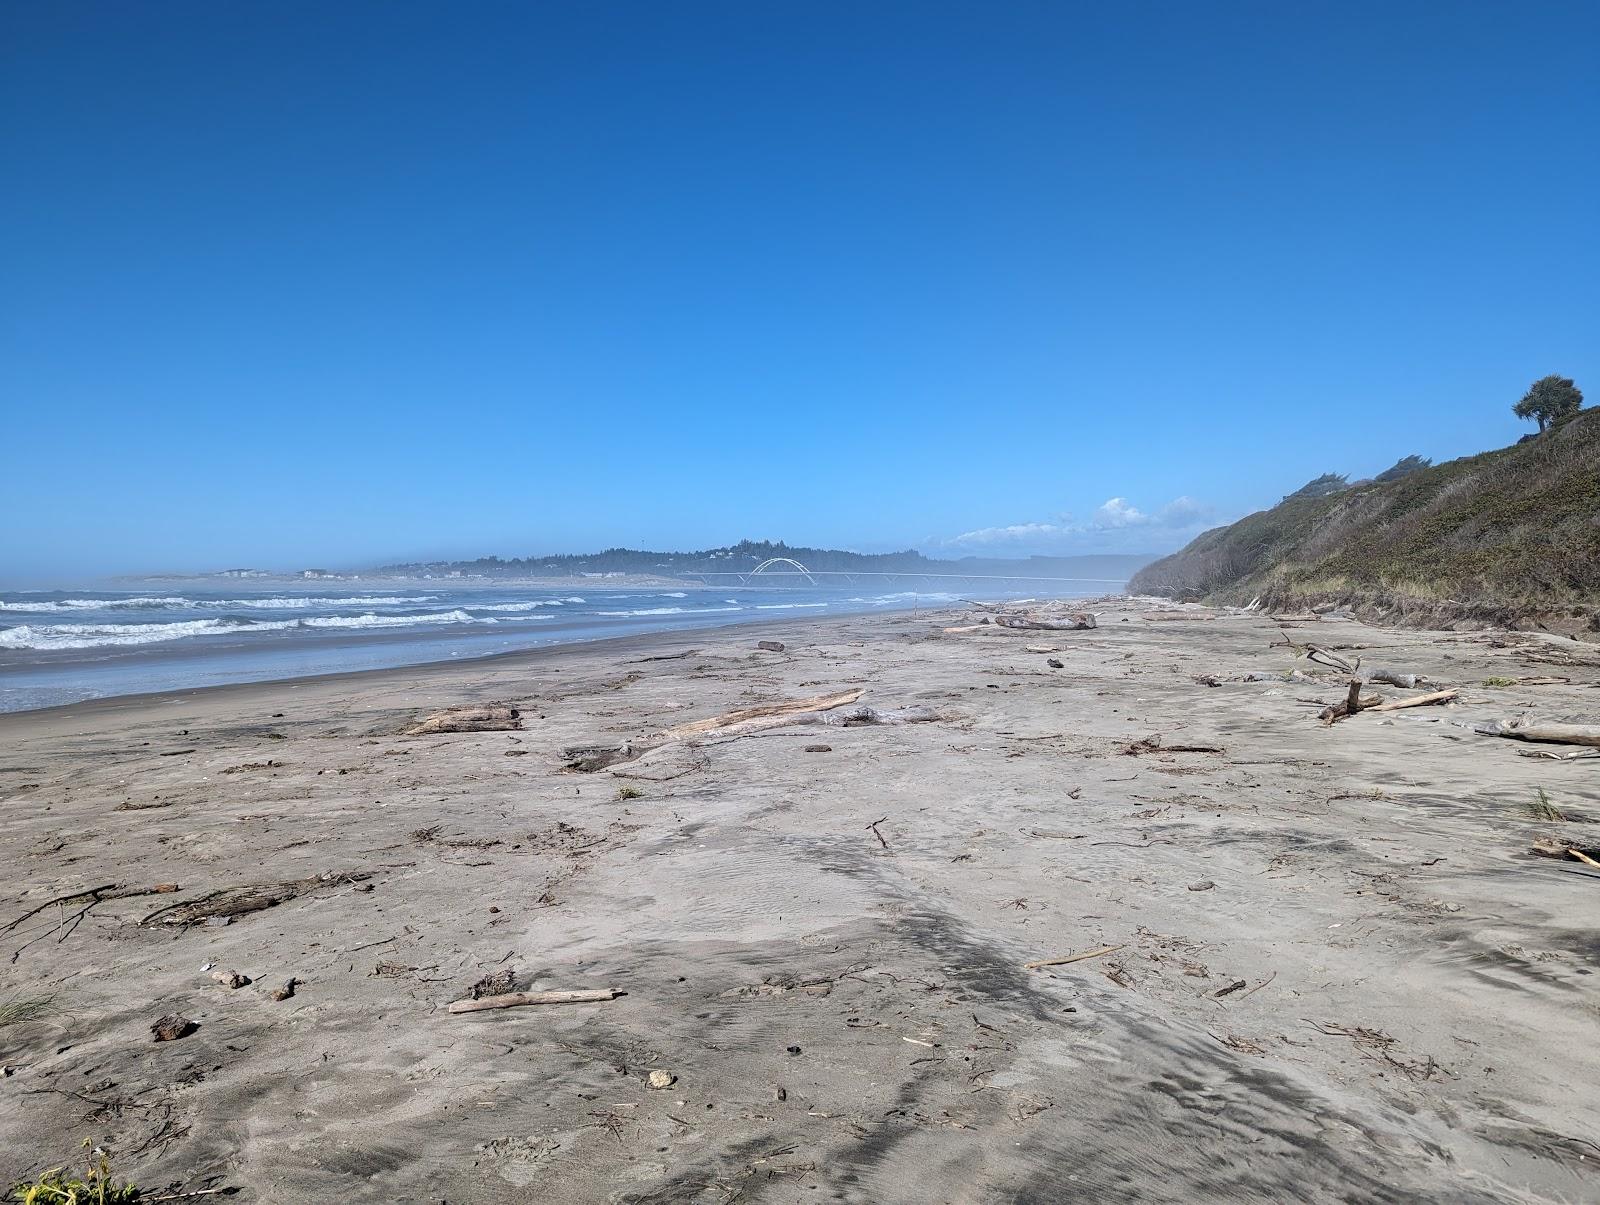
x=490, y=717
x=1079, y=622
x=589, y=758
x=517, y=999
x=1545, y=731
x=1438, y=696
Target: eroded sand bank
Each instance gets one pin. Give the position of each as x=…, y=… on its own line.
x=846, y=1017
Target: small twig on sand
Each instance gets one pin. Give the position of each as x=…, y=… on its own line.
x=1261, y=985
x=1056, y=962
x=874, y=827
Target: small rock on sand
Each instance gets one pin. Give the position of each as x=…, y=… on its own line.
x=661, y=1079
x=172, y=1027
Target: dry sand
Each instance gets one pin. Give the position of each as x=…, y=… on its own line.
x=846, y=1018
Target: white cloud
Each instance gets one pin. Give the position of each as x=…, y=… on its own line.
x=1116, y=512
x=1015, y=534
x=1119, y=512
x=1115, y=523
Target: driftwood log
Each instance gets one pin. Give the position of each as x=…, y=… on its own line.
x=1550, y=847
x=1544, y=731
x=1079, y=622
x=1349, y=705
x=1438, y=696
x=517, y=999
x=1394, y=677
x=492, y=717
x=589, y=758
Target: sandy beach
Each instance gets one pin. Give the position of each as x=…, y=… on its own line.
x=1285, y=960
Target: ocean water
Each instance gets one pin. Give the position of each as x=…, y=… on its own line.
x=64, y=646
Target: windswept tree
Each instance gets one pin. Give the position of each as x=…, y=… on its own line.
x=1403, y=467
x=1549, y=399
x=1318, y=487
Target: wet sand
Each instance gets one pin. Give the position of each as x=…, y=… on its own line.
x=1335, y=974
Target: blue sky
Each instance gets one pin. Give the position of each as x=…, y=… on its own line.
x=291, y=284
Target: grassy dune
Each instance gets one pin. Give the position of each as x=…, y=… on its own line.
x=1506, y=535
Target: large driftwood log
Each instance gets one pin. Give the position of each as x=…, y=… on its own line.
x=517, y=999
x=1079, y=622
x=1543, y=731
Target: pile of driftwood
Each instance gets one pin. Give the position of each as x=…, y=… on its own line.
x=819, y=709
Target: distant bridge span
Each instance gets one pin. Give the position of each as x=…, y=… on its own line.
x=766, y=566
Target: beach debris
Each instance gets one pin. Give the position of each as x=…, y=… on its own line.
x=269, y=764
x=1559, y=754
x=172, y=1027
x=1324, y=656
x=518, y=999
x=1377, y=1045
x=501, y=983
x=230, y=902
x=92, y=898
x=818, y=749
x=665, y=657
x=1055, y=663
x=97, y=895
x=589, y=758
x=1202, y=885
x=230, y=979
x=1554, y=847
x=771, y=646
x=286, y=992
x=1066, y=958
x=1349, y=705
x=1544, y=731
x=1077, y=622
x=487, y=717
x=659, y=1079
x=1237, y=985
x=873, y=828
x=1438, y=696
x=861, y=717
x=1393, y=677
x=1152, y=744
x=1160, y=616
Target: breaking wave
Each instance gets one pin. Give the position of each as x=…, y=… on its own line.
x=522, y=606
x=119, y=635
x=670, y=611
x=296, y=602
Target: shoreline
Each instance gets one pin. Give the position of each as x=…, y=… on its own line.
x=1107, y=909
x=425, y=669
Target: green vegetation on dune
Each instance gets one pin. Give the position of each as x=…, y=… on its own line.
x=1515, y=530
